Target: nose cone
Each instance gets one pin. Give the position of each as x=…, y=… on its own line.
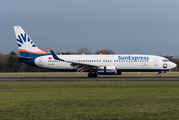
x=172, y=65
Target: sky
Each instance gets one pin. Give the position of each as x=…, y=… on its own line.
x=124, y=26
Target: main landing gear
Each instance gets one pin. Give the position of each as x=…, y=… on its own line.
x=94, y=75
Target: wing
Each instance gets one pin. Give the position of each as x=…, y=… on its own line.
x=82, y=67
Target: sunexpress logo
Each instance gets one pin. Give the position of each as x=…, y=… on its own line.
x=133, y=58
x=24, y=38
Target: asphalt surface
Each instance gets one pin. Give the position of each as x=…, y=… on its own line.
x=89, y=79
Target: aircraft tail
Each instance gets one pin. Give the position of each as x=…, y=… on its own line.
x=26, y=46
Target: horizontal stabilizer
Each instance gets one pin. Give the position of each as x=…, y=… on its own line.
x=19, y=57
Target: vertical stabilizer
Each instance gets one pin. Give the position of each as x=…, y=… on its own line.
x=26, y=46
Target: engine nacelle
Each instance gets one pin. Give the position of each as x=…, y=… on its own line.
x=107, y=70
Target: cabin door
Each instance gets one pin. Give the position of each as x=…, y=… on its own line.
x=41, y=62
x=155, y=62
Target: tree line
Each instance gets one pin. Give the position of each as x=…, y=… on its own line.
x=11, y=64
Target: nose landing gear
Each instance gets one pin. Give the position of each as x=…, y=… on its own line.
x=158, y=75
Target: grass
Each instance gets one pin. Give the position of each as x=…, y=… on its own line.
x=60, y=74
x=89, y=100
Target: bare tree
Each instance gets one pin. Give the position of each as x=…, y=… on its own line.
x=104, y=52
x=84, y=50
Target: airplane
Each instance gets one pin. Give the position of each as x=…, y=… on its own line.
x=93, y=64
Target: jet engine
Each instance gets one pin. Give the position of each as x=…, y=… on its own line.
x=107, y=70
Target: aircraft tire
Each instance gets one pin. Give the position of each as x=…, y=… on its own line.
x=158, y=75
x=94, y=75
x=90, y=75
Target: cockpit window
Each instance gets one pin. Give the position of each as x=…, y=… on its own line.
x=166, y=60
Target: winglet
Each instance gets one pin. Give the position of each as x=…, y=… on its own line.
x=54, y=55
x=50, y=49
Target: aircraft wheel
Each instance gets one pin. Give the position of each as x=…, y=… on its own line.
x=90, y=75
x=158, y=75
x=95, y=75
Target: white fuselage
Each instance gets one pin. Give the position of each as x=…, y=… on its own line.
x=121, y=62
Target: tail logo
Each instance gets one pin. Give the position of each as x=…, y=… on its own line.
x=24, y=38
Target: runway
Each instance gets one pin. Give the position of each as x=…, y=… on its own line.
x=89, y=79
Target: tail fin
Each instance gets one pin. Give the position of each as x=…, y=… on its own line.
x=26, y=46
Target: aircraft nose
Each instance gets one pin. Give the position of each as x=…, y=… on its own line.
x=173, y=65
